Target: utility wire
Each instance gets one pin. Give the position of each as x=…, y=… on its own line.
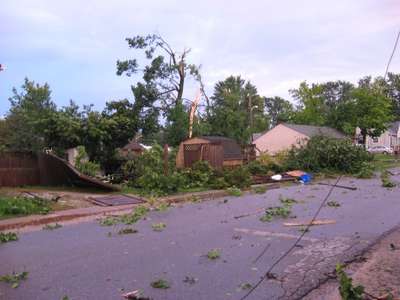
x=268, y=272
x=391, y=56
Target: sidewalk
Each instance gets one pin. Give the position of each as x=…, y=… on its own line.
x=378, y=270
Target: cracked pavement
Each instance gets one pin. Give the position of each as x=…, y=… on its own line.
x=83, y=262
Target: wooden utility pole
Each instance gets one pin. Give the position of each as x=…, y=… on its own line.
x=250, y=117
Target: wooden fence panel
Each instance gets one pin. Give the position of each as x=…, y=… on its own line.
x=18, y=169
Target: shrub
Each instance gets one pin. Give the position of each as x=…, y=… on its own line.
x=265, y=158
x=256, y=167
x=239, y=177
x=267, y=163
x=199, y=175
x=366, y=170
x=328, y=154
x=158, y=184
x=146, y=172
x=151, y=161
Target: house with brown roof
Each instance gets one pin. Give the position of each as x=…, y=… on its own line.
x=284, y=136
x=218, y=151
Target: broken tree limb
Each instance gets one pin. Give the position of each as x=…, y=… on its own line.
x=315, y=222
x=339, y=186
x=250, y=214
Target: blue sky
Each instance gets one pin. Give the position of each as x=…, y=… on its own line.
x=73, y=45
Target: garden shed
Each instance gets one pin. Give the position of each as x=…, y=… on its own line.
x=218, y=151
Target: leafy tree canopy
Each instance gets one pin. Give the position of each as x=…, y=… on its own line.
x=278, y=110
x=237, y=110
x=162, y=86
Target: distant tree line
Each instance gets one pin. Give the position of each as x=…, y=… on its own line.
x=160, y=113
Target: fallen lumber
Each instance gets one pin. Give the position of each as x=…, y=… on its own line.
x=305, y=223
x=339, y=186
x=135, y=295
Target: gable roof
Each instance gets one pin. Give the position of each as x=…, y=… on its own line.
x=232, y=149
x=310, y=130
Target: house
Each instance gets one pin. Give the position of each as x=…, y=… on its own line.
x=218, y=151
x=390, y=138
x=284, y=136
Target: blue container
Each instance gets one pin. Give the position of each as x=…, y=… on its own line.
x=306, y=178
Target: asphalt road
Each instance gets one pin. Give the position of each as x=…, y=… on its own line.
x=82, y=261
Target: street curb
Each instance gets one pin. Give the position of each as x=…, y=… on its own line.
x=71, y=214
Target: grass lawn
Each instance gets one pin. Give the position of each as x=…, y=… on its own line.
x=382, y=162
x=19, y=206
x=137, y=191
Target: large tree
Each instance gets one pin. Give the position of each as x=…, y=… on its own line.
x=163, y=83
x=369, y=110
x=30, y=114
x=389, y=86
x=278, y=110
x=237, y=110
x=64, y=128
x=322, y=104
x=312, y=108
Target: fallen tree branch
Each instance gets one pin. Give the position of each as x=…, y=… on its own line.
x=339, y=186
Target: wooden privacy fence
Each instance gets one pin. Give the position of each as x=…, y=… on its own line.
x=18, y=168
x=25, y=168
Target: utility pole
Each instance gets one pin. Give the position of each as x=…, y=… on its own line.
x=250, y=117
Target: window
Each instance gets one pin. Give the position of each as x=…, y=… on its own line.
x=375, y=140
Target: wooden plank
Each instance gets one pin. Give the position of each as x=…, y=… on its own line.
x=306, y=223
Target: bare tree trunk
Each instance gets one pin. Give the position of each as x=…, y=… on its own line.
x=364, y=137
x=181, y=70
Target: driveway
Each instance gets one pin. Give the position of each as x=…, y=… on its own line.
x=84, y=261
